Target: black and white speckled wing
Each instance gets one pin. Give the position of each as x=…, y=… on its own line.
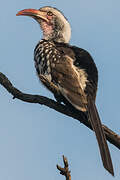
x=42, y=55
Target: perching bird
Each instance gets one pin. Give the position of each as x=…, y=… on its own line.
x=67, y=71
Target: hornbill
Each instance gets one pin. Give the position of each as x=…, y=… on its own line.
x=67, y=71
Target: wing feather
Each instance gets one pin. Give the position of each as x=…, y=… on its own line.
x=68, y=80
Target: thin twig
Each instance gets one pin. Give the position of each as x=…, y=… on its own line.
x=65, y=171
x=111, y=136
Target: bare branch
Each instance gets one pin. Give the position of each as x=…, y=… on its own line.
x=111, y=136
x=65, y=171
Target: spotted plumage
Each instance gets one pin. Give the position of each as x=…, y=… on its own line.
x=67, y=71
x=47, y=53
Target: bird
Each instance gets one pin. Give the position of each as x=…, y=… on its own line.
x=68, y=71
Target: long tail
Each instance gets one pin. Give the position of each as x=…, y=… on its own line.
x=101, y=139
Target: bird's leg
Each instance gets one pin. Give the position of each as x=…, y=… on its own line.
x=51, y=87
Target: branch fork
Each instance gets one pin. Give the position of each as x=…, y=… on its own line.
x=65, y=171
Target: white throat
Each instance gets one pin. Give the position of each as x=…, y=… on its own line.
x=61, y=36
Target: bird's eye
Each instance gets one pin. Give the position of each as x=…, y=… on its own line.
x=49, y=13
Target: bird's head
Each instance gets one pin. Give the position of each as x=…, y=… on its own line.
x=52, y=22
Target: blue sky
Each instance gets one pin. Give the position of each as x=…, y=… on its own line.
x=33, y=138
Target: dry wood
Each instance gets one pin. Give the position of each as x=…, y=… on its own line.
x=65, y=171
x=111, y=136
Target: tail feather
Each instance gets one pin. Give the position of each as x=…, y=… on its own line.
x=97, y=127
